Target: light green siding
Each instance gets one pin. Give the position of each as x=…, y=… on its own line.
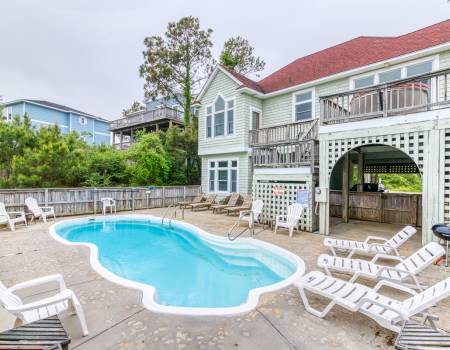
x=244, y=174
x=444, y=60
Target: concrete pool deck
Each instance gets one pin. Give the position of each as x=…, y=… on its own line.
x=117, y=319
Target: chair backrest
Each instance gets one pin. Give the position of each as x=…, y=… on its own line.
x=421, y=259
x=3, y=211
x=234, y=199
x=247, y=203
x=257, y=207
x=211, y=198
x=294, y=213
x=33, y=206
x=401, y=237
x=429, y=297
x=107, y=200
x=8, y=299
x=198, y=197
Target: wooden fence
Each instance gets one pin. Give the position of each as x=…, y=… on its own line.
x=75, y=201
x=392, y=208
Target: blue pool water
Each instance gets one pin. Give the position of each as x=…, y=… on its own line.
x=186, y=269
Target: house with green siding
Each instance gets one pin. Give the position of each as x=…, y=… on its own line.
x=304, y=133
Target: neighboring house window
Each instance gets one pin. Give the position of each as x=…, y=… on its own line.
x=223, y=176
x=303, y=105
x=7, y=114
x=220, y=118
x=82, y=120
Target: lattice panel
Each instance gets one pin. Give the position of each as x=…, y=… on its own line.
x=390, y=169
x=277, y=205
x=411, y=143
x=447, y=176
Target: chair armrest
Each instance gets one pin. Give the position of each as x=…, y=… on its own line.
x=47, y=208
x=41, y=280
x=40, y=303
x=375, y=238
x=279, y=218
x=386, y=256
x=16, y=212
x=394, y=286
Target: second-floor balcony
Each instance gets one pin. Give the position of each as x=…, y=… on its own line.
x=286, y=146
x=139, y=119
x=417, y=94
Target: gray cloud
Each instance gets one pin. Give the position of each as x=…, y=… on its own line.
x=86, y=53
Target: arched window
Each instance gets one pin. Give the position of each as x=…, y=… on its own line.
x=220, y=117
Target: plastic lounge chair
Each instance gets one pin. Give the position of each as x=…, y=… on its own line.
x=11, y=218
x=37, y=211
x=252, y=216
x=405, y=271
x=232, y=202
x=289, y=221
x=210, y=200
x=198, y=198
x=110, y=203
x=64, y=300
x=388, y=312
x=390, y=246
x=246, y=205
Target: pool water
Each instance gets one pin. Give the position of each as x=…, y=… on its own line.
x=186, y=269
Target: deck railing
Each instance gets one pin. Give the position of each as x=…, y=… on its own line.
x=304, y=153
x=285, y=133
x=420, y=93
x=146, y=117
x=76, y=201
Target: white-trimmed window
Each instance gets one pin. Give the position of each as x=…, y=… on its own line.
x=392, y=74
x=220, y=118
x=223, y=176
x=7, y=114
x=303, y=105
x=82, y=120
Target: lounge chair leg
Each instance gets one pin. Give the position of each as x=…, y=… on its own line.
x=312, y=310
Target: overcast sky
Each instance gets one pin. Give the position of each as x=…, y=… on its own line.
x=86, y=53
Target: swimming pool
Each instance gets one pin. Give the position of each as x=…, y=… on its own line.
x=179, y=267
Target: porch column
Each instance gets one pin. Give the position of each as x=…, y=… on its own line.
x=360, y=171
x=157, y=126
x=121, y=140
x=345, y=186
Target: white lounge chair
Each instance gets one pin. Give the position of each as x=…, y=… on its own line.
x=37, y=211
x=110, y=203
x=252, y=216
x=289, y=221
x=386, y=247
x=62, y=301
x=405, y=272
x=387, y=312
x=11, y=218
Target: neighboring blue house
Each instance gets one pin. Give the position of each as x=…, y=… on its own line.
x=93, y=129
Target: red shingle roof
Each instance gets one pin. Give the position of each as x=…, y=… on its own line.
x=349, y=55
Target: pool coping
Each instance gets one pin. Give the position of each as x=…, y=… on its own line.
x=149, y=293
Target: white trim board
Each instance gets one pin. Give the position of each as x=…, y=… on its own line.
x=282, y=171
x=48, y=123
x=221, y=150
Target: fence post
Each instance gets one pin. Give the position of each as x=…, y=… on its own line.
x=163, y=196
x=184, y=193
x=132, y=198
x=95, y=201
x=46, y=197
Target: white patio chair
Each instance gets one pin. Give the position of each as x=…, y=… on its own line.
x=388, y=312
x=37, y=211
x=11, y=218
x=390, y=246
x=110, y=203
x=405, y=272
x=252, y=216
x=289, y=221
x=64, y=300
